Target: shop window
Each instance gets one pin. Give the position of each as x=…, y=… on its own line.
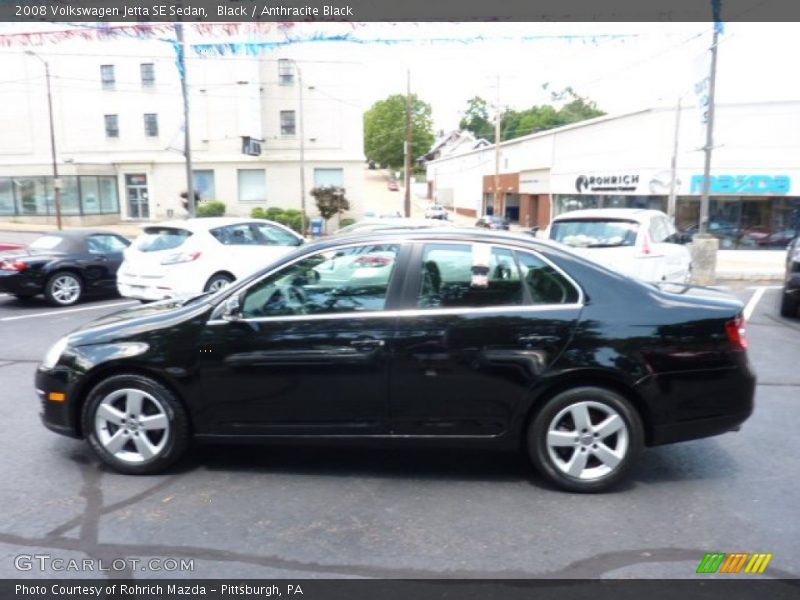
x=252, y=185
x=6, y=196
x=328, y=177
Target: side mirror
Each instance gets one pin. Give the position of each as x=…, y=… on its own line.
x=232, y=310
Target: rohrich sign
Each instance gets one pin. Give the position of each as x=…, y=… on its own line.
x=623, y=182
x=745, y=185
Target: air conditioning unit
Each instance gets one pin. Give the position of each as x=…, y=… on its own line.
x=251, y=146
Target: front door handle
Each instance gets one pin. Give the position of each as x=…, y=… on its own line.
x=367, y=344
x=536, y=339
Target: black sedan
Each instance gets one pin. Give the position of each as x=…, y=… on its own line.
x=790, y=298
x=450, y=336
x=64, y=265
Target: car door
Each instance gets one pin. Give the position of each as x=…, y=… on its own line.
x=486, y=323
x=105, y=257
x=305, y=354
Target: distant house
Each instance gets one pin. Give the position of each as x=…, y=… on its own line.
x=453, y=143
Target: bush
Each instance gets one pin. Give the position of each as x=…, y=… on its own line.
x=210, y=208
x=291, y=217
x=346, y=222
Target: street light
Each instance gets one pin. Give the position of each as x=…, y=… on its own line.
x=56, y=181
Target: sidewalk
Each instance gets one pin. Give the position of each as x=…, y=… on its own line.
x=755, y=265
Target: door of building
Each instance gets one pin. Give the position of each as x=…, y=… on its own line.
x=136, y=193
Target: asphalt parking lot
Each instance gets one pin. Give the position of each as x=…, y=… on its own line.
x=266, y=511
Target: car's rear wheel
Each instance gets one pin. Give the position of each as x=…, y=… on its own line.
x=63, y=289
x=790, y=305
x=585, y=439
x=135, y=425
x=217, y=282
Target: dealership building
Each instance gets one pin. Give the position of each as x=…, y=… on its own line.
x=627, y=161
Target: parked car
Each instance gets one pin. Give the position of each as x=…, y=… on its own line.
x=192, y=256
x=392, y=223
x=790, y=298
x=492, y=222
x=464, y=337
x=436, y=211
x=393, y=185
x=64, y=266
x=637, y=242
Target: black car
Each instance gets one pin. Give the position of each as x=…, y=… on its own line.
x=64, y=265
x=492, y=222
x=790, y=299
x=460, y=337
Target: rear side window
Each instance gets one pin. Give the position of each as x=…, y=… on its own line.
x=161, y=238
x=47, y=242
x=544, y=284
x=595, y=233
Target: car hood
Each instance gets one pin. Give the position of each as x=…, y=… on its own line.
x=142, y=321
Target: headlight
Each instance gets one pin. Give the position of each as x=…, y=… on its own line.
x=55, y=352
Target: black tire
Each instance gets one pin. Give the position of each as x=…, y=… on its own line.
x=581, y=444
x=55, y=290
x=789, y=304
x=158, y=402
x=216, y=280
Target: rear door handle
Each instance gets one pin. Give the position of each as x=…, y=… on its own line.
x=367, y=344
x=535, y=339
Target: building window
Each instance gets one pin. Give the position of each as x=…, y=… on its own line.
x=287, y=122
x=151, y=125
x=329, y=178
x=148, y=71
x=6, y=196
x=112, y=126
x=204, y=184
x=107, y=77
x=285, y=71
x=252, y=185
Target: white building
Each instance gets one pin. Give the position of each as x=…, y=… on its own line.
x=625, y=161
x=118, y=115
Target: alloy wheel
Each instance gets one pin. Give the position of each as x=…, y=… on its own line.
x=132, y=425
x=587, y=440
x=65, y=289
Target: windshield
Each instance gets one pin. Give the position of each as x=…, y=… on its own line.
x=161, y=238
x=594, y=233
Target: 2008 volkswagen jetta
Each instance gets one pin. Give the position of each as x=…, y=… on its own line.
x=453, y=336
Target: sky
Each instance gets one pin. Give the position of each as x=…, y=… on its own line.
x=621, y=66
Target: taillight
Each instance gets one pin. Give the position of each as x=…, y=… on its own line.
x=373, y=261
x=13, y=265
x=736, y=333
x=181, y=257
x=646, y=249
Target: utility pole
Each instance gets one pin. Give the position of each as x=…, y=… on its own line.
x=497, y=151
x=187, y=147
x=407, y=200
x=302, y=150
x=56, y=180
x=674, y=163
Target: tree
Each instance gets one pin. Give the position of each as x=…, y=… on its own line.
x=515, y=123
x=385, y=130
x=330, y=200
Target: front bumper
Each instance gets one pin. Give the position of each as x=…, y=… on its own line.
x=60, y=416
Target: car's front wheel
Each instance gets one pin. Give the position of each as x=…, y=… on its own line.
x=135, y=425
x=585, y=439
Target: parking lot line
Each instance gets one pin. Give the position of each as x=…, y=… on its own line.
x=751, y=304
x=65, y=311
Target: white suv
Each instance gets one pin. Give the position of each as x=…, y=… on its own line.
x=192, y=256
x=636, y=242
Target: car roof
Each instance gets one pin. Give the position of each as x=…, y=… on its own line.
x=631, y=214
x=79, y=233
x=199, y=224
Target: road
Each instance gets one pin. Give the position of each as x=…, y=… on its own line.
x=291, y=512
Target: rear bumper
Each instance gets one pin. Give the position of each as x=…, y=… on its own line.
x=154, y=289
x=16, y=283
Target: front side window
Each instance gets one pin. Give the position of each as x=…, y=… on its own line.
x=348, y=280
x=275, y=236
x=235, y=235
x=105, y=244
x=287, y=122
x=468, y=275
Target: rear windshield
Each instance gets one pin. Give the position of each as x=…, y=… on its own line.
x=161, y=238
x=594, y=233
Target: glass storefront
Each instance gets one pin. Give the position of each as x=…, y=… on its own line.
x=567, y=202
x=80, y=195
x=748, y=222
